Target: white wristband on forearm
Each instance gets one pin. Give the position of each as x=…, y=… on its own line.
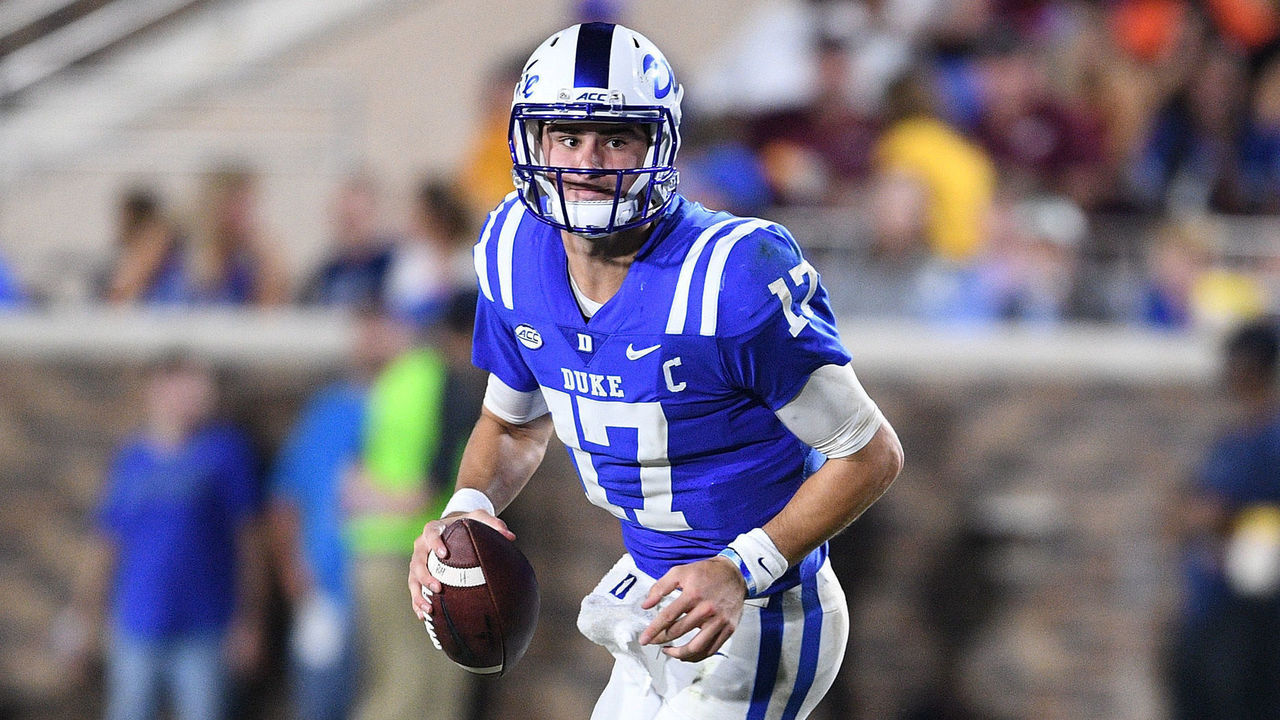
x=467, y=499
x=758, y=559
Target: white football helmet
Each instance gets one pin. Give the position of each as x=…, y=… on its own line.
x=596, y=72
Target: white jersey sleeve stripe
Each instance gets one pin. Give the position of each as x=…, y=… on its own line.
x=832, y=413
x=715, y=273
x=680, y=301
x=512, y=405
x=480, y=256
x=506, y=250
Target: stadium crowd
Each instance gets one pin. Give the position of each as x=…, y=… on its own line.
x=1037, y=160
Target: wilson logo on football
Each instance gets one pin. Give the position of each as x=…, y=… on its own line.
x=528, y=337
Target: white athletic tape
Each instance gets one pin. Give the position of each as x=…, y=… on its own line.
x=454, y=576
x=466, y=500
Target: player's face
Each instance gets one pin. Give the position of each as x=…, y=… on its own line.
x=605, y=146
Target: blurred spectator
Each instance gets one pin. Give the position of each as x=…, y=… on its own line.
x=1187, y=284
x=771, y=62
x=181, y=567
x=720, y=170
x=819, y=152
x=1039, y=142
x=434, y=260
x=1191, y=159
x=1260, y=152
x=1227, y=646
x=486, y=167
x=1174, y=261
x=885, y=280
x=1043, y=265
x=306, y=523
x=149, y=265
x=421, y=409
x=1105, y=104
x=355, y=271
x=232, y=261
x=1025, y=274
x=955, y=177
x=1149, y=30
x=1251, y=25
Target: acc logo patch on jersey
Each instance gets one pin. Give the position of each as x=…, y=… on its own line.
x=528, y=337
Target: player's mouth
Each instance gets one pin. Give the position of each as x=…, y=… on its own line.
x=580, y=191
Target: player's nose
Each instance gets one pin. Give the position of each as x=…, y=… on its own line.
x=591, y=155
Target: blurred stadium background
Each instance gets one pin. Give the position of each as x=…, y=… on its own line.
x=1035, y=217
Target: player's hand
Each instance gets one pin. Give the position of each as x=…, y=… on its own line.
x=421, y=584
x=711, y=598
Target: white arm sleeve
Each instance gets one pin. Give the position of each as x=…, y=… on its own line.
x=832, y=413
x=512, y=405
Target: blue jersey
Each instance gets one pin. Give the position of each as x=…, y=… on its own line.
x=665, y=397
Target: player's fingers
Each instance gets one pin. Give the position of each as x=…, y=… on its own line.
x=664, y=619
x=418, y=565
x=415, y=592
x=696, y=617
x=430, y=541
x=494, y=522
x=665, y=586
x=420, y=598
x=702, y=646
x=679, y=628
x=419, y=576
x=419, y=586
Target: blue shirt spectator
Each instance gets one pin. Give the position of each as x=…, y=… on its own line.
x=308, y=476
x=355, y=270
x=352, y=279
x=310, y=499
x=174, y=514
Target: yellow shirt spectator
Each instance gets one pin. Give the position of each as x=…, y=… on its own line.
x=486, y=177
x=1221, y=298
x=958, y=178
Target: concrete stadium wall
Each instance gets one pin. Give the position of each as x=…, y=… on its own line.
x=1020, y=565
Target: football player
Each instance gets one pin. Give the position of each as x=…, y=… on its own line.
x=689, y=361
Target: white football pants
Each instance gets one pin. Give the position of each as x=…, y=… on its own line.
x=777, y=665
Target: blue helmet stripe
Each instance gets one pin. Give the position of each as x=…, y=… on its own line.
x=591, y=65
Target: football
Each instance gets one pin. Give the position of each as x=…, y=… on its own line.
x=484, y=615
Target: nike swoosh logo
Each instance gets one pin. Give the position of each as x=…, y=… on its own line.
x=766, y=567
x=634, y=354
